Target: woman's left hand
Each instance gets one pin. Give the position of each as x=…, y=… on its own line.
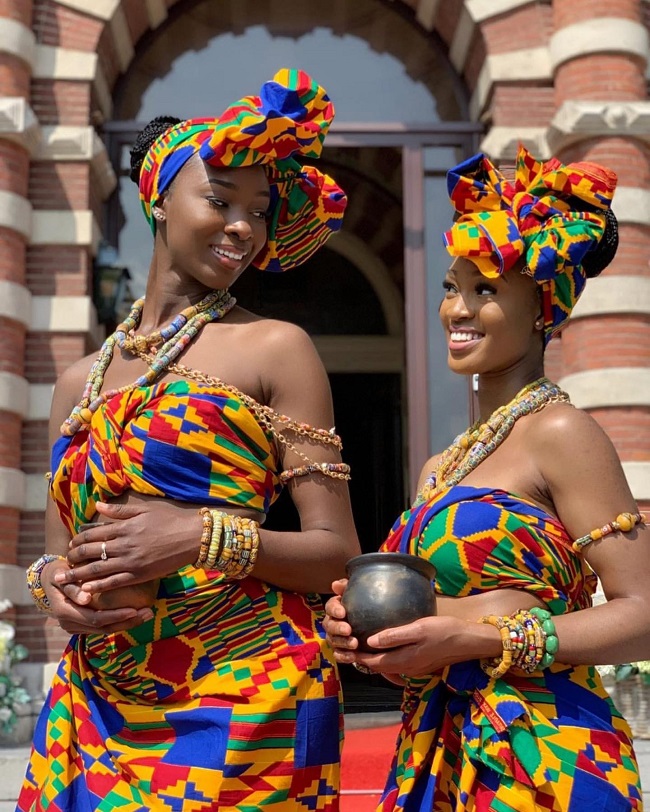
x=141, y=542
x=425, y=646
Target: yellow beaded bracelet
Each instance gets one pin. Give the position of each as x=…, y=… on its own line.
x=496, y=668
x=206, y=535
x=216, y=540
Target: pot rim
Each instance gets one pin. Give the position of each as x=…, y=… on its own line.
x=426, y=568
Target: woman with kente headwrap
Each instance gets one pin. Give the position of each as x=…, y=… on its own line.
x=503, y=708
x=198, y=676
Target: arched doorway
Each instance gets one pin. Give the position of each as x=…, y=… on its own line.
x=397, y=127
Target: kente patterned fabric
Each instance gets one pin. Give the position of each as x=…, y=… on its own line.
x=552, y=741
x=178, y=439
x=551, y=216
x=290, y=117
x=228, y=698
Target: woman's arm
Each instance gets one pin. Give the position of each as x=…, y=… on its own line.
x=588, y=488
x=297, y=386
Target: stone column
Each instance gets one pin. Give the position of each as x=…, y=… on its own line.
x=599, y=53
x=18, y=139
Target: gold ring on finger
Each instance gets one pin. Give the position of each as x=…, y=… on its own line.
x=103, y=556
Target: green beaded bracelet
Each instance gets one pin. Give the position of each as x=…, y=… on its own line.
x=551, y=643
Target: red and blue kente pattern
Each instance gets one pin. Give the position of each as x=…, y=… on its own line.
x=552, y=741
x=228, y=698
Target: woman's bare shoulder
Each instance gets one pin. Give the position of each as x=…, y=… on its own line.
x=573, y=451
x=74, y=377
x=561, y=424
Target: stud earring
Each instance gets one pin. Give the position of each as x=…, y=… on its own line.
x=159, y=215
x=539, y=323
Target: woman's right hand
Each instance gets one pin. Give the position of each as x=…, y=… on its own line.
x=70, y=606
x=337, y=629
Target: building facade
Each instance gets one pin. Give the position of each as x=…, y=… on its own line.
x=568, y=77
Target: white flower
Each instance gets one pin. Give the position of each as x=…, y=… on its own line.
x=5, y=714
x=5, y=605
x=7, y=631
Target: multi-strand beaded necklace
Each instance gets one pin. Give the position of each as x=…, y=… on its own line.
x=471, y=447
x=174, y=338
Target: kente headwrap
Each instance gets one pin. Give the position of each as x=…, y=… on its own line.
x=290, y=117
x=552, y=215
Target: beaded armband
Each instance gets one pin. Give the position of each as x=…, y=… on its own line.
x=34, y=572
x=623, y=523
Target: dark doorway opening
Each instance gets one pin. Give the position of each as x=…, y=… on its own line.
x=368, y=412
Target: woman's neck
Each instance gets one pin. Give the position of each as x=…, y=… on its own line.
x=498, y=388
x=164, y=301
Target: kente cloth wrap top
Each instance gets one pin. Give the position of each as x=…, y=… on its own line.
x=552, y=740
x=176, y=439
x=228, y=698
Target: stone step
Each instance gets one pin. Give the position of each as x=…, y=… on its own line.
x=13, y=761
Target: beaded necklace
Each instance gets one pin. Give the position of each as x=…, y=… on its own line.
x=175, y=338
x=471, y=447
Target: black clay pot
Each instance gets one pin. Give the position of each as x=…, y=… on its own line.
x=387, y=590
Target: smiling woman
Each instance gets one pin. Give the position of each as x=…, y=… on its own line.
x=198, y=673
x=222, y=211
x=485, y=319
x=503, y=707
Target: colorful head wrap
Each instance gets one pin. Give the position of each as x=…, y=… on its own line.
x=290, y=117
x=552, y=216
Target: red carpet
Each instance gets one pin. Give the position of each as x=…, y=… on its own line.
x=367, y=755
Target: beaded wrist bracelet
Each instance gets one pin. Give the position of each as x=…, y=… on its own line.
x=529, y=642
x=498, y=667
x=229, y=544
x=623, y=523
x=206, y=535
x=34, y=572
x=216, y=540
x=550, y=635
x=531, y=654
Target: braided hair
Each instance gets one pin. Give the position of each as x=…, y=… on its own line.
x=155, y=128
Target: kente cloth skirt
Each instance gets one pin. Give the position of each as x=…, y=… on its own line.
x=227, y=699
